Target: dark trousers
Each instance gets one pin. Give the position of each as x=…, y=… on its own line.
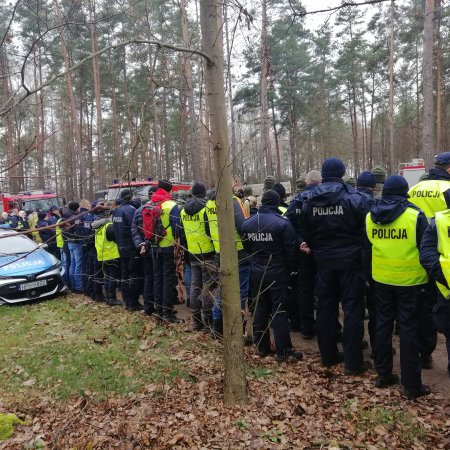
x=427, y=329
x=306, y=286
x=164, y=281
x=98, y=280
x=149, y=298
x=441, y=317
x=203, y=287
x=270, y=310
x=346, y=286
x=371, y=305
x=398, y=303
x=111, y=274
x=89, y=258
x=131, y=279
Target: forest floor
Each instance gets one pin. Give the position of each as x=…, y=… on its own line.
x=86, y=376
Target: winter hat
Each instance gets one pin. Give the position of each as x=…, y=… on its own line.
x=333, y=168
x=395, y=185
x=42, y=215
x=53, y=208
x=280, y=190
x=271, y=198
x=248, y=191
x=300, y=184
x=380, y=174
x=366, y=179
x=165, y=184
x=347, y=179
x=269, y=181
x=126, y=194
x=151, y=191
x=73, y=206
x=198, y=189
x=443, y=159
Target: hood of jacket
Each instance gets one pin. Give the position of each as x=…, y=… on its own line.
x=438, y=174
x=386, y=209
x=330, y=192
x=194, y=205
x=160, y=196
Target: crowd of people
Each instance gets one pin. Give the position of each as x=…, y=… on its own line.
x=378, y=247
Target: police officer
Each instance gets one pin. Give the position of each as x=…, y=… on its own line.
x=194, y=234
x=332, y=225
x=47, y=235
x=130, y=262
x=281, y=191
x=145, y=251
x=435, y=257
x=395, y=228
x=164, y=271
x=306, y=265
x=431, y=195
x=271, y=241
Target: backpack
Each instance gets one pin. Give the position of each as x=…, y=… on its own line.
x=154, y=230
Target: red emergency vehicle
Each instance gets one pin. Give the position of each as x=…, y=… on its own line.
x=32, y=200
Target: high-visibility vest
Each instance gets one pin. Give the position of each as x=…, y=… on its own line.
x=59, y=236
x=282, y=210
x=211, y=214
x=395, y=256
x=166, y=208
x=106, y=250
x=442, y=227
x=198, y=242
x=428, y=195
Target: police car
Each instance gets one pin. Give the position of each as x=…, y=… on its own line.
x=27, y=271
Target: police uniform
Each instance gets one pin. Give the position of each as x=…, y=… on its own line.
x=395, y=228
x=271, y=242
x=431, y=195
x=331, y=223
x=435, y=257
x=194, y=233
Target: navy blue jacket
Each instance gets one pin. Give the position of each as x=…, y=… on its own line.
x=47, y=236
x=137, y=234
x=271, y=241
x=429, y=255
x=71, y=229
x=332, y=224
x=122, y=218
x=87, y=230
x=295, y=209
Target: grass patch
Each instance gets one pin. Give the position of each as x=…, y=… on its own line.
x=260, y=372
x=390, y=420
x=69, y=347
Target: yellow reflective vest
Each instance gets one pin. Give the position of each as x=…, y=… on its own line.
x=106, y=250
x=442, y=227
x=211, y=214
x=395, y=256
x=166, y=208
x=428, y=195
x=198, y=242
x=59, y=236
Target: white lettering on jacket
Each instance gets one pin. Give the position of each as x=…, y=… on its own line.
x=260, y=237
x=336, y=210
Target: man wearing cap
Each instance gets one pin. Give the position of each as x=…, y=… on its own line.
x=270, y=240
x=130, y=260
x=164, y=271
x=395, y=229
x=306, y=264
x=332, y=226
x=380, y=176
x=281, y=191
x=431, y=195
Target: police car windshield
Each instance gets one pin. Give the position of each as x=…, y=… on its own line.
x=13, y=245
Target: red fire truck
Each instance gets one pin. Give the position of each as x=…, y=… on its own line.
x=32, y=200
x=140, y=188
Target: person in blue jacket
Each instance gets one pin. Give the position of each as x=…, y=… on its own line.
x=271, y=242
x=332, y=227
x=130, y=259
x=47, y=235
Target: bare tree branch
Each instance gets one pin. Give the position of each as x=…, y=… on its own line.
x=10, y=23
x=303, y=12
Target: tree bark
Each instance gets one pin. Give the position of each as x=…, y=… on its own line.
x=392, y=168
x=235, y=387
x=439, y=147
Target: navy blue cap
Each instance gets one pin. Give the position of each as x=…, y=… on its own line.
x=366, y=179
x=279, y=189
x=442, y=159
x=333, y=168
x=270, y=197
x=395, y=185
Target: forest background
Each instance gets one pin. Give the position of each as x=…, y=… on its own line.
x=360, y=84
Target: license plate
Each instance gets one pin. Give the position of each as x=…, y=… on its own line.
x=32, y=285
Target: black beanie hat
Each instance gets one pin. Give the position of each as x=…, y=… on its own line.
x=151, y=191
x=198, y=189
x=73, y=206
x=366, y=179
x=270, y=197
x=165, y=184
x=395, y=185
x=126, y=193
x=280, y=190
x=42, y=215
x=333, y=168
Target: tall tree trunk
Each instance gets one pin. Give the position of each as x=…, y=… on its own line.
x=235, y=387
x=392, y=168
x=427, y=82
x=266, y=150
x=439, y=146
x=117, y=143
x=277, y=143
